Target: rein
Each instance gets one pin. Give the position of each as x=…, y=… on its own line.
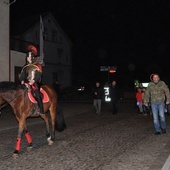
x=17, y=96
x=4, y=104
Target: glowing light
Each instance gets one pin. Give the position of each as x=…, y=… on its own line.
x=112, y=71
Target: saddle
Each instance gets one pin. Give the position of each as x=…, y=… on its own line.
x=44, y=94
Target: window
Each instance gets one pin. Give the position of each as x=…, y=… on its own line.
x=54, y=35
x=45, y=34
x=60, y=53
x=49, y=21
x=61, y=39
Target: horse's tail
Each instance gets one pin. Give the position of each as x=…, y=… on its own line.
x=60, y=122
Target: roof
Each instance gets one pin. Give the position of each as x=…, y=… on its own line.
x=23, y=25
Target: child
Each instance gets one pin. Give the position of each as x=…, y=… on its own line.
x=139, y=99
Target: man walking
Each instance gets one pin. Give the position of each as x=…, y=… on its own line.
x=156, y=92
x=98, y=94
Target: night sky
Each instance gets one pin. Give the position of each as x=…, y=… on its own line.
x=134, y=35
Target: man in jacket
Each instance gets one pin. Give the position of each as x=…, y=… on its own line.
x=156, y=92
x=98, y=94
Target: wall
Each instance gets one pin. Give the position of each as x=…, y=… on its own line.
x=4, y=41
x=17, y=59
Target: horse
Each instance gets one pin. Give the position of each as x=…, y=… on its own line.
x=16, y=95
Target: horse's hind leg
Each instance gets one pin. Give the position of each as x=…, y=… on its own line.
x=52, y=122
x=46, y=119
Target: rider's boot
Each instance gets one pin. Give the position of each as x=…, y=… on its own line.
x=39, y=100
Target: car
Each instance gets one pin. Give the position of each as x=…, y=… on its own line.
x=82, y=86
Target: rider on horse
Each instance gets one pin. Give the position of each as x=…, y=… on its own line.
x=31, y=75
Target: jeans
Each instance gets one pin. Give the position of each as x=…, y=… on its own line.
x=97, y=105
x=140, y=107
x=158, y=116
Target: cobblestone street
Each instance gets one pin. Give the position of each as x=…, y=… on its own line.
x=124, y=141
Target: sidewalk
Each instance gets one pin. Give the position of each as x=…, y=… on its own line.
x=167, y=164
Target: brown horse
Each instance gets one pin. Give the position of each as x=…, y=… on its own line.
x=16, y=96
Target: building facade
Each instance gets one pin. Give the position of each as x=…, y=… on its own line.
x=57, y=49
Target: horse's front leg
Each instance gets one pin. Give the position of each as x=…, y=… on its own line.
x=29, y=139
x=21, y=128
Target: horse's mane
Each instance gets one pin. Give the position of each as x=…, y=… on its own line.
x=8, y=86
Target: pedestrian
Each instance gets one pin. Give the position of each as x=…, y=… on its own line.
x=156, y=92
x=98, y=95
x=139, y=100
x=113, y=96
x=31, y=75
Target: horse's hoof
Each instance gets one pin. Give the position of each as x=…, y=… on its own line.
x=15, y=155
x=50, y=142
x=29, y=148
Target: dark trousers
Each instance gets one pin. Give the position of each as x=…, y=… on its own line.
x=37, y=95
x=114, y=108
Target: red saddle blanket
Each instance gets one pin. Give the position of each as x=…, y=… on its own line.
x=45, y=97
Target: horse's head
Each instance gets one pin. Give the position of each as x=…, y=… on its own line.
x=9, y=90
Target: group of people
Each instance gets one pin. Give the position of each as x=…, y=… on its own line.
x=98, y=96
x=157, y=95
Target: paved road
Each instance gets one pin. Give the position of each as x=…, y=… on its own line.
x=91, y=142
